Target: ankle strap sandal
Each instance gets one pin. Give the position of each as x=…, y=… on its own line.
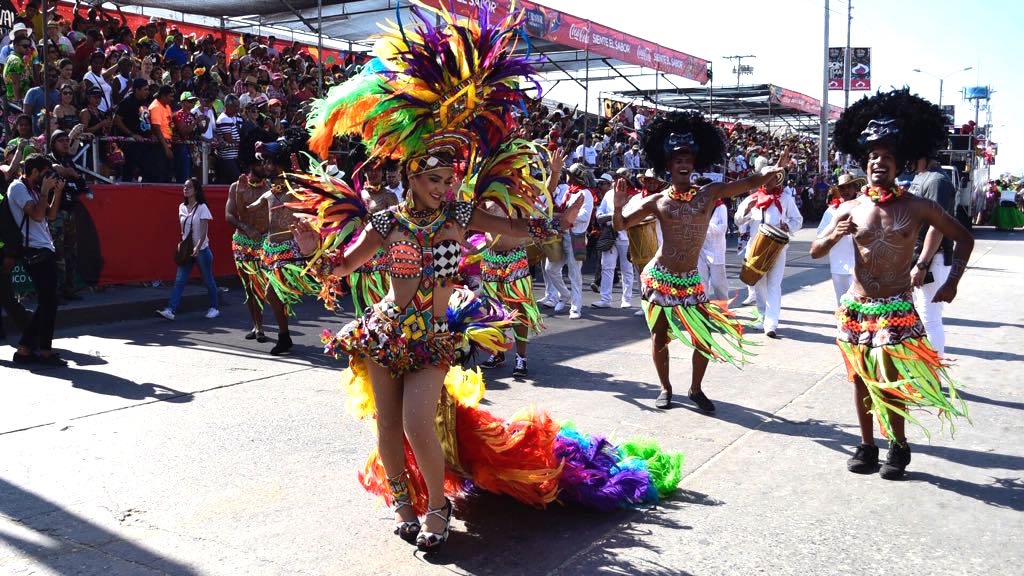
x=401, y=497
x=432, y=541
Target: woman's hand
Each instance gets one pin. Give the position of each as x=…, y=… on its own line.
x=305, y=236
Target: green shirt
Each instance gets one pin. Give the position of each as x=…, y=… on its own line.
x=15, y=72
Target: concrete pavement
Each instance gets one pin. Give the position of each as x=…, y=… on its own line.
x=180, y=448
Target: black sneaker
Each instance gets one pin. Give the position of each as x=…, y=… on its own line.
x=284, y=344
x=895, y=461
x=494, y=361
x=520, y=368
x=595, y=288
x=864, y=461
x=702, y=402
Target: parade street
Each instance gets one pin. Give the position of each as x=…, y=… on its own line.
x=181, y=448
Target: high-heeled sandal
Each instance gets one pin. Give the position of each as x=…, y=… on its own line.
x=432, y=541
x=401, y=498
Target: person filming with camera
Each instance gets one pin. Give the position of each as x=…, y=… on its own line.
x=34, y=200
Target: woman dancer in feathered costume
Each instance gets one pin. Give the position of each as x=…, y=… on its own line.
x=441, y=99
x=888, y=356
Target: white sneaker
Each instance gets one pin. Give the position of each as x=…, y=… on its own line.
x=759, y=327
x=166, y=313
x=575, y=315
x=559, y=306
x=639, y=312
x=625, y=305
x=601, y=304
x=749, y=300
x=212, y=313
x=546, y=303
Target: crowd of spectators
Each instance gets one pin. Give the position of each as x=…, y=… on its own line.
x=152, y=92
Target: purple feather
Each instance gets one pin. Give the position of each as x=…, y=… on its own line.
x=587, y=478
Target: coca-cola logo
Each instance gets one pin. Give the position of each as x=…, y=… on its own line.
x=579, y=33
x=644, y=54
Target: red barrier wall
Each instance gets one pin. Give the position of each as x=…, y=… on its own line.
x=138, y=230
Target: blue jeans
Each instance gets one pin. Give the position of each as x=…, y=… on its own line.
x=205, y=260
x=182, y=163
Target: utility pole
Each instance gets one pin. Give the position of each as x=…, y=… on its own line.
x=823, y=121
x=847, y=76
x=739, y=68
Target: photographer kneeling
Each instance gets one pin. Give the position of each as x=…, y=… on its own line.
x=35, y=198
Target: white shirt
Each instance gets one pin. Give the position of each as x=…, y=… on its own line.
x=790, y=214
x=582, y=222
x=589, y=155
x=198, y=113
x=840, y=258
x=104, y=85
x=638, y=121
x=18, y=196
x=398, y=191
x=1008, y=195
x=195, y=217
x=631, y=159
x=606, y=208
x=713, y=250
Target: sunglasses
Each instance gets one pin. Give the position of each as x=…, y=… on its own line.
x=67, y=93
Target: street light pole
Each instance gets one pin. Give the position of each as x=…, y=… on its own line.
x=823, y=127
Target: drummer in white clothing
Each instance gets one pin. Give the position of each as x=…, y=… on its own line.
x=779, y=210
x=840, y=258
x=650, y=184
x=618, y=254
x=711, y=265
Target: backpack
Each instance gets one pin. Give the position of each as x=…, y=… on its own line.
x=12, y=241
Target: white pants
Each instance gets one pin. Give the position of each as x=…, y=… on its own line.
x=769, y=293
x=931, y=312
x=618, y=254
x=716, y=285
x=841, y=283
x=556, y=289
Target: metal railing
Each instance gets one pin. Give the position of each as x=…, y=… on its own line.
x=90, y=153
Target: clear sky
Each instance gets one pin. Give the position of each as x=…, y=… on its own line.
x=936, y=36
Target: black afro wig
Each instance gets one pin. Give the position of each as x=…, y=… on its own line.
x=920, y=126
x=710, y=140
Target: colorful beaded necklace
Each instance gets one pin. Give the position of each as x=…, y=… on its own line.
x=428, y=225
x=881, y=195
x=682, y=196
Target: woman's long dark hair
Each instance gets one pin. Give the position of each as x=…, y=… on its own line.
x=198, y=185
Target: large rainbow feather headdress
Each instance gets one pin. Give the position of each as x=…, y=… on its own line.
x=448, y=87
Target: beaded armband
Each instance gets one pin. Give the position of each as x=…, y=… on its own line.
x=541, y=229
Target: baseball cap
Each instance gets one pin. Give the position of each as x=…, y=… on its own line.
x=186, y=95
x=607, y=177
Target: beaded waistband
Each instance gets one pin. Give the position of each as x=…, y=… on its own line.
x=504, y=258
x=660, y=278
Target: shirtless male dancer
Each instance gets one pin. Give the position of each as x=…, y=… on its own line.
x=888, y=356
x=251, y=223
x=370, y=283
x=672, y=292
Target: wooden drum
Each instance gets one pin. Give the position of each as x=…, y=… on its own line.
x=764, y=250
x=643, y=243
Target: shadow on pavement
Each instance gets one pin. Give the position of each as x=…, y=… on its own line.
x=73, y=538
x=496, y=524
x=985, y=354
x=1001, y=493
x=972, y=398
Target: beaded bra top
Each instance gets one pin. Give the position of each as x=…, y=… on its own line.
x=434, y=264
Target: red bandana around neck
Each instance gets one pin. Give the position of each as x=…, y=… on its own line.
x=881, y=195
x=763, y=199
x=835, y=202
x=573, y=189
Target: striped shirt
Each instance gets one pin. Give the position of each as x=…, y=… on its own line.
x=228, y=125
